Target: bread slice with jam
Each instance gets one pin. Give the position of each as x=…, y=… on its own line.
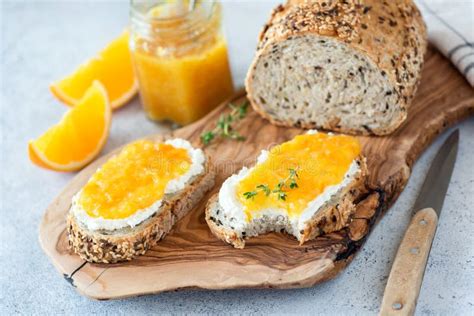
x=305, y=187
x=136, y=198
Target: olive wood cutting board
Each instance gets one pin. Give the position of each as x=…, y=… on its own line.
x=191, y=257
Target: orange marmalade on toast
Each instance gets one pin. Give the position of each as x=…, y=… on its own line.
x=293, y=174
x=133, y=180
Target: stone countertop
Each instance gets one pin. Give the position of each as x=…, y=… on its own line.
x=42, y=41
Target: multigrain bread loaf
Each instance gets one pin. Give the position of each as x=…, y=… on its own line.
x=344, y=65
x=106, y=246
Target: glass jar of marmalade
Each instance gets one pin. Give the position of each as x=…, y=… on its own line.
x=180, y=58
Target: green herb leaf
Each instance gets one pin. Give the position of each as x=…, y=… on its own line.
x=221, y=123
x=243, y=110
x=224, y=126
x=279, y=189
x=293, y=173
x=250, y=194
x=207, y=137
x=264, y=188
x=282, y=196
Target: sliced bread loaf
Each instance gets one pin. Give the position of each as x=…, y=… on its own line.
x=349, y=66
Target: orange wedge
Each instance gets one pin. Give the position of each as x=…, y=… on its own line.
x=78, y=137
x=112, y=67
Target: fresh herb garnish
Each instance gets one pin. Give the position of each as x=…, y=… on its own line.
x=250, y=194
x=224, y=126
x=280, y=189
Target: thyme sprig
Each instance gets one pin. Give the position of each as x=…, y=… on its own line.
x=281, y=189
x=224, y=126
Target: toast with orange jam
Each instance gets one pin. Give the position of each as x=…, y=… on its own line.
x=305, y=187
x=135, y=198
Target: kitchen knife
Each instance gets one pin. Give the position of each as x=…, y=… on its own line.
x=404, y=282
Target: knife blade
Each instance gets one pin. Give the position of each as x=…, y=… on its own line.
x=404, y=282
x=436, y=182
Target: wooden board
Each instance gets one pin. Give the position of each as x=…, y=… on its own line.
x=190, y=257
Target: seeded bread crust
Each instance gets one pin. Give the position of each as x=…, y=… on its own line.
x=127, y=243
x=387, y=40
x=334, y=215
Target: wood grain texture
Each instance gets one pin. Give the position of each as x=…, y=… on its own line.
x=190, y=257
x=404, y=282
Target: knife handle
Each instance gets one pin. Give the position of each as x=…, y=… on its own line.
x=404, y=282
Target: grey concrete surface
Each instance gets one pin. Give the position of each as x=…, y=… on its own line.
x=42, y=41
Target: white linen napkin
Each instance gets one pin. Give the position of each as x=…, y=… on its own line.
x=451, y=29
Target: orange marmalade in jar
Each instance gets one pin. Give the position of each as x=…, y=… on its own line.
x=180, y=58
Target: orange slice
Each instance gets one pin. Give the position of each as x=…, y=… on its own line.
x=78, y=137
x=112, y=67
